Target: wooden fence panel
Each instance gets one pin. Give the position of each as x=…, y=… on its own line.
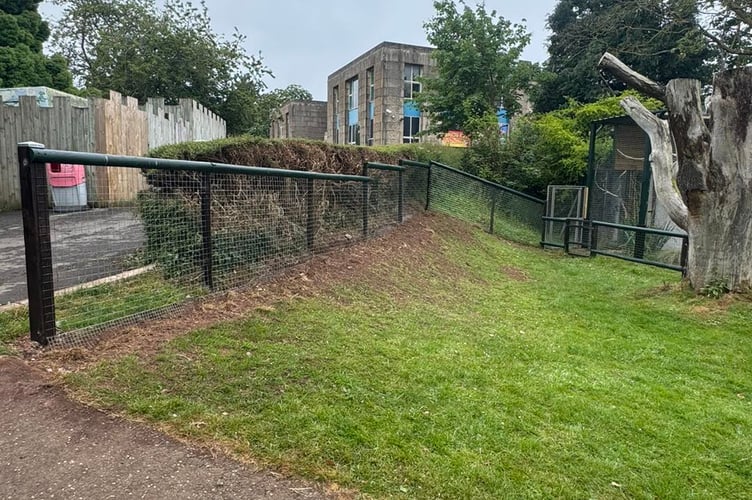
x=120, y=130
x=58, y=127
x=112, y=126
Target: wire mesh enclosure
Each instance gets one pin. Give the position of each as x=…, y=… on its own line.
x=621, y=193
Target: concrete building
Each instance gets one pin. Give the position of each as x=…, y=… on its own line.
x=300, y=119
x=369, y=100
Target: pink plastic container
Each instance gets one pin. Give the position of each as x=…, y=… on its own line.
x=64, y=175
x=68, y=186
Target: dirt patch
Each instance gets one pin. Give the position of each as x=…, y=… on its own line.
x=515, y=274
x=51, y=447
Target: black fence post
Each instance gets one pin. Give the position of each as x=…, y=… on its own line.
x=365, y=201
x=566, y=236
x=310, y=216
x=206, y=229
x=544, y=231
x=401, y=200
x=36, y=223
x=493, y=212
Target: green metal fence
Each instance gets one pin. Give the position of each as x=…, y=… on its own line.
x=199, y=228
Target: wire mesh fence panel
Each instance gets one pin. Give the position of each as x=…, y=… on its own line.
x=111, y=262
x=191, y=229
x=641, y=245
x=462, y=197
x=192, y=232
x=515, y=217
x=339, y=213
x=562, y=202
x=416, y=188
x=384, y=202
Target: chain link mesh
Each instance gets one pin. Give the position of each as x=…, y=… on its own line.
x=618, y=195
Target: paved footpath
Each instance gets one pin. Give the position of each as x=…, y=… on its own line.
x=52, y=447
x=85, y=246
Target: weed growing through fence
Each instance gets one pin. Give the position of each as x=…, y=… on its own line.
x=489, y=368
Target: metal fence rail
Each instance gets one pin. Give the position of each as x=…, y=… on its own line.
x=654, y=247
x=498, y=209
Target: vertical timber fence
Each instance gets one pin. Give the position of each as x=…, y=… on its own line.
x=199, y=228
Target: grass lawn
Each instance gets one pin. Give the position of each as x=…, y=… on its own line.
x=488, y=371
x=93, y=306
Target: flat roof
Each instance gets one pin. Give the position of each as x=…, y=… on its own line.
x=392, y=45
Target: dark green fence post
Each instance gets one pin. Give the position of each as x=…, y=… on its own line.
x=310, y=216
x=639, y=249
x=683, y=260
x=566, y=236
x=593, y=239
x=493, y=211
x=36, y=224
x=401, y=200
x=428, y=186
x=206, y=230
x=365, y=201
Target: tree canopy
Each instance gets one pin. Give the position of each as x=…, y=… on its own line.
x=248, y=111
x=728, y=27
x=139, y=49
x=478, y=67
x=661, y=38
x=22, y=63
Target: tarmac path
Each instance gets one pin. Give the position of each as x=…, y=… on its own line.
x=86, y=246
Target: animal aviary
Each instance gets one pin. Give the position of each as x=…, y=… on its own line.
x=199, y=228
x=705, y=189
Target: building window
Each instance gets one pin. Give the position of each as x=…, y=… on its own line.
x=353, y=129
x=411, y=83
x=410, y=129
x=371, y=105
x=335, y=122
x=410, y=111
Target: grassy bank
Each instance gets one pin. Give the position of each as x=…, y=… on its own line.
x=471, y=369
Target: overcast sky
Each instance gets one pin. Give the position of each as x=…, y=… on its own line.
x=303, y=41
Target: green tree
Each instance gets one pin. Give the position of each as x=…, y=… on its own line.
x=22, y=63
x=552, y=148
x=250, y=111
x=142, y=50
x=658, y=37
x=478, y=68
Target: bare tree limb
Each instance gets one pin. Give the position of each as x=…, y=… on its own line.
x=631, y=77
x=661, y=159
x=724, y=46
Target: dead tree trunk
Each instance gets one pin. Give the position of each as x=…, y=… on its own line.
x=708, y=192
